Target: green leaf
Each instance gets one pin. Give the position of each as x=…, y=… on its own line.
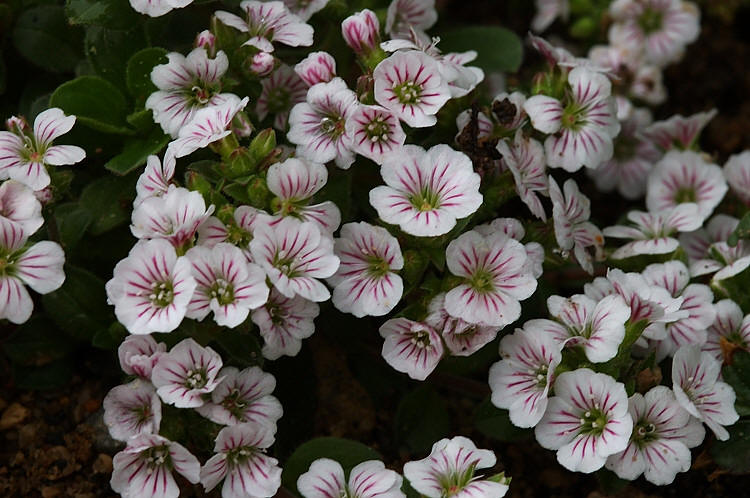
x=36, y=342
x=243, y=349
x=136, y=151
x=43, y=36
x=417, y=431
x=737, y=375
x=348, y=453
x=109, y=50
x=499, y=49
x=50, y=376
x=734, y=454
x=741, y=232
x=109, y=338
x=142, y=120
x=115, y=14
x=138, y=71
x=495, y=423
x=95, y=102
x=109, y=200
x=79, y=307
x=72, y=222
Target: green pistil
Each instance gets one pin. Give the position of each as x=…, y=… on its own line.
x=157, y=456
x=571, y=117
x=377, y=130
x=238, y=456
x=234, y=404
x=541, y=375
x=408, y=93
x=421, y=339
x=238, y=237
x=284, y=265
x=425, y=200
x=650, y=21
x=201, y=95
x=593, y=421
x=482, y=281
x=378, y=267
x=162, y=294
x=222, y=291
x=455, y=482
x=333, y=126
x=685, y=195
x=644, y=433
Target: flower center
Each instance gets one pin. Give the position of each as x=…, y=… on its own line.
x=426, y=200
x=238, y=237
x=541, y=376
x=278, y=100
x=456, y=481
x=572, y=118
x=201, y=95
x=196, y=379
x=482, y=281
x=593, y=421
x=420, y=339
x=222, y=291
x=156, y=457
x=650, y=21
x=285, y=265
x=685, y=194
x=408, y=92
x=162, y=294
x=377, y=130
x=235, y=404
x=333, y=126
x=644, y=432
x=238, y=456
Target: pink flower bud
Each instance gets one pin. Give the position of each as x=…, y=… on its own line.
x=17, y=125
x=44, y=195
x=262, y=64
x=361, y=32
x=318, y=67
x=207, y=40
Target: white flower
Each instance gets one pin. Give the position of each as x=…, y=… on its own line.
x=294, y=182
x=411, y=347
x=138, y=354
x=524, y=157
x=280, y=92
x=186, y=84
x=174, y=216
x=365, y=283
x=709, y=252
x=242, y=463
x=294, y=255
x=227, y=284
x=411, y=85
x=586, y=421
x=325, y=479
x=582, y=126
x=361, y=31
x=19, y=205
x=207, y=126
x=660, y=28
x=514, y=229
x=25, y=155
x=243, y=396
x=238, y=232
x=375, y=132
x=268, y=22
x=317, y=67
x=496, y=277
x=678, y=132
x=403, y=16
x=39, y=265
x=696, y=384
x=461, y=337
x=599, y=327
x=697, y=302
x=156, y=177
x=632, y=160
x=283, y=323
x=522, y=379
x=132, y=409
x=570, y=213
x=730, y=331
x=737, y=173
x=653, y=233
x=157, y=8
x=318, y=126
x=449, y=471
x=662, y=434
x=426, y=191
x=186, y=373
x=546, y=13
x=144, y=468
x=682, y=177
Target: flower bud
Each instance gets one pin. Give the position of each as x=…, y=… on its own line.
x=199, y=183
x=318, y=67
x=16, y=125
x=206, y=40
x=361, y=32
x=262, y=64
x=262, y=145
x=241, y=125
